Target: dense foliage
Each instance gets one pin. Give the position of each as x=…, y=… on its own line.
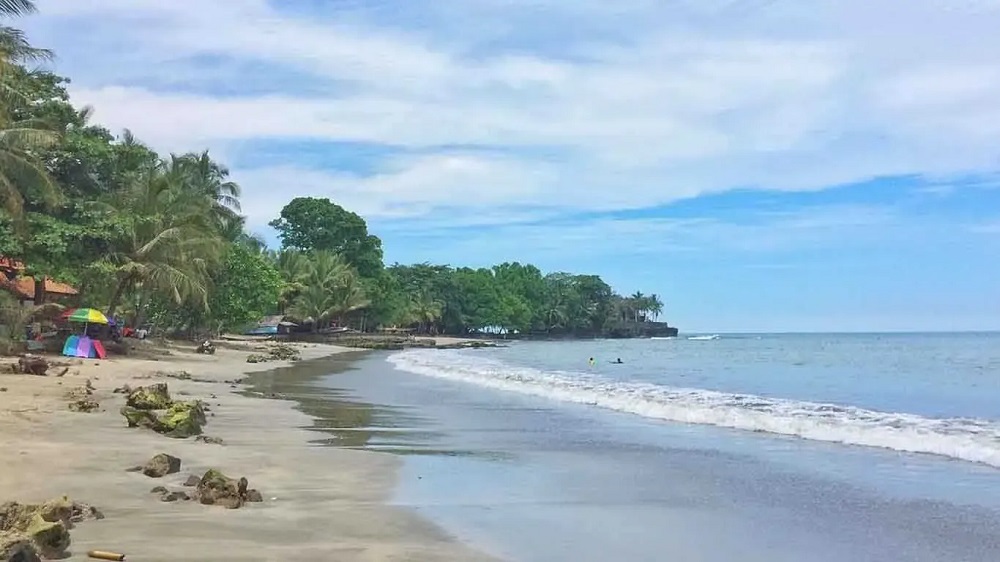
x=160, y=240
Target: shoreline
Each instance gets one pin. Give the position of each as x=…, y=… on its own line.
x=319, y=502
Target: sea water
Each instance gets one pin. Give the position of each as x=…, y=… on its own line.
x=750, y=447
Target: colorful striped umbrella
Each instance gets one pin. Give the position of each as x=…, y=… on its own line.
x=88, y=315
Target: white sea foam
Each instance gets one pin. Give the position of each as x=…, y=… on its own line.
x=704, y=338
x=967, y=439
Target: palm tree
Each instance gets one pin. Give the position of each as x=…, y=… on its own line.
x=638, y=304
x=348, y=297
x=294, y=269
x=166, y=241
x=15, y=49
x=425, y=311
x=312, y=305
x=327, y=287
x=211, y=178
x=655, y=306
x=20, y=169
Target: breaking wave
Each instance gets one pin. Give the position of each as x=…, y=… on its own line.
x=968, y=439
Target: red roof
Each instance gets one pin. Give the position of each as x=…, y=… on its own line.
x=24, y=287
x=10, y=264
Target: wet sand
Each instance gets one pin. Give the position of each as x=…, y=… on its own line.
x=319, y=503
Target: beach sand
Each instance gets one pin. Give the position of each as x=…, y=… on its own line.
x=319, y=503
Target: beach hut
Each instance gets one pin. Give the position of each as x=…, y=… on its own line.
x=271, y=325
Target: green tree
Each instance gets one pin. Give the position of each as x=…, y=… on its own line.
x=246, y=289
x=165, y=241
x=312, y=224
x=329, y=290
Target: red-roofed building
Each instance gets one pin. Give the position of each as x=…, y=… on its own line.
x=23, y=288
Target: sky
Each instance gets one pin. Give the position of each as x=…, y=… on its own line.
x=762, y=165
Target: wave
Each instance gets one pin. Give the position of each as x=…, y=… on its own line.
x=704, y=338
x=967, y=439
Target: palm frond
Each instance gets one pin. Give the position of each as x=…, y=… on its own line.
x=12, y=8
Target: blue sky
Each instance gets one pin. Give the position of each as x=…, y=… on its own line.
x=767, y=165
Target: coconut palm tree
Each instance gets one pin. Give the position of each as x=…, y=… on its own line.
x=20, y=170
x=425, y=311
x=211, y=178
x=293, y=268
x=348, y=297
x=166, y=243
x=15, y=48
x=328, y=287
x=655, y=306
x=638, y=304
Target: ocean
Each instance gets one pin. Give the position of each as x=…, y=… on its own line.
x=820, y=447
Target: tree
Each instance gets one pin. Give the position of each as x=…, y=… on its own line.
x=424, y=311
x=21, y=172
x=329, y=289
x=246, y=289
x=655, y=306
x=312, y=224
x=165, y=240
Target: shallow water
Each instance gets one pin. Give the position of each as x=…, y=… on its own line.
x=503, y=453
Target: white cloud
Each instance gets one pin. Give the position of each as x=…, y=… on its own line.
x=666, y=100
x=758, y=234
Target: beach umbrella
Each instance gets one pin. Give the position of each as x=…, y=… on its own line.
x=88, y=315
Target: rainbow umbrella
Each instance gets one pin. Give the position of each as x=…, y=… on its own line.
x=88, y=315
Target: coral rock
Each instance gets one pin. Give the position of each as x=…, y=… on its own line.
x=216, y=488
x=161, y=465
x=18, y=548
x=152, y=397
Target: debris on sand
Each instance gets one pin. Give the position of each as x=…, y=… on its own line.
x=32, y=365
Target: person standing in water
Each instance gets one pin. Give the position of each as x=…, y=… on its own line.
x=592, y=362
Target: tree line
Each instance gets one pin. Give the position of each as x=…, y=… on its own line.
x=161, y=239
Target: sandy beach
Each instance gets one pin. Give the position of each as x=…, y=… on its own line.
x=319, y=503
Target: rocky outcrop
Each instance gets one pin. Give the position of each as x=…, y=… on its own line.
x=29, y=531
x=18, y=548
x=161, y=465
x=152, y=397
x=84, y=405
x=215, y=488
x=280, y=352
x=180, y=421
x=151, y=407
x=81, y=398
x=184, y=419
